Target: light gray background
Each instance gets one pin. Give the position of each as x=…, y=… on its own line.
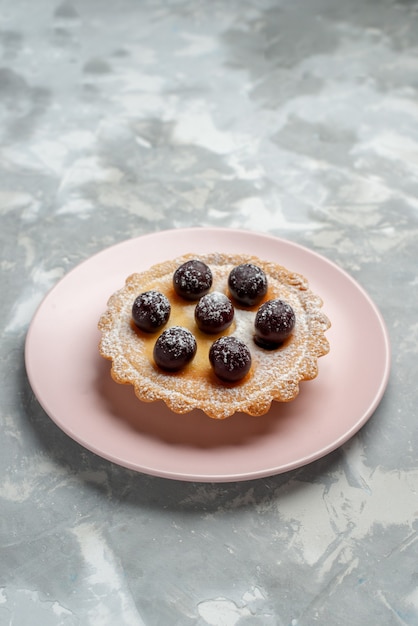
x=295, y=118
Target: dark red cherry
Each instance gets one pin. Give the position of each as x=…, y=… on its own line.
x=174, y=348
x=230, y=358
x=248, y=284
x=192, y=279
x=274, y=322
x=150, y=311
x=214, y=312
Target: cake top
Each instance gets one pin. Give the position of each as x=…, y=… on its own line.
x=198, y=303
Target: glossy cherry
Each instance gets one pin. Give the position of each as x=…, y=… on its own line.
x=150, y=311
x=214, y=312
x=230, y=358
x=274, y=322
x=192, y=279
x=248, y=284
x=174, y=348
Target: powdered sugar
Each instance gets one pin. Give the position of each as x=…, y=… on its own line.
x=233, y=355
x=177, y=340
x=274, y=375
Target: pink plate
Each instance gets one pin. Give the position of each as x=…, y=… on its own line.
x=73, y=384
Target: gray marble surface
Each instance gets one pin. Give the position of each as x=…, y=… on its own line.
x=297, y=119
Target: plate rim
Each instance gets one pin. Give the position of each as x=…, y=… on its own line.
x=230, y=477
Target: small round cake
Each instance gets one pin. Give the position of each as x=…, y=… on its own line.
x=233, y=334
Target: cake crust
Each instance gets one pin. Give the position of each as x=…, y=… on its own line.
x=275, y=375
